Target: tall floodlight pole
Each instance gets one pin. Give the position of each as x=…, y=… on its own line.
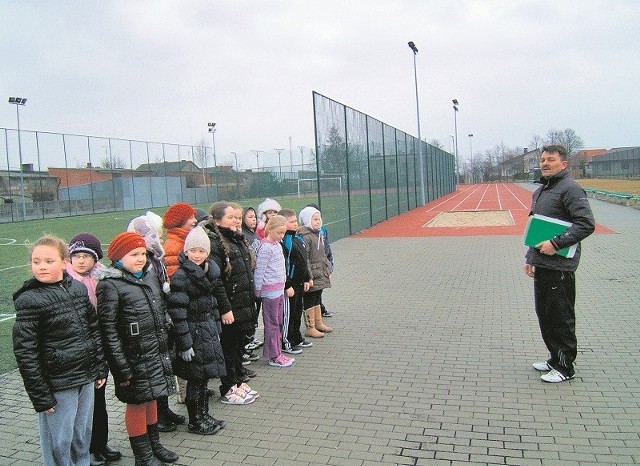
x=471, y=155
x=279, y=151
x=212, y=130
x=414, y=49
x=455, y=126
x=18, y=101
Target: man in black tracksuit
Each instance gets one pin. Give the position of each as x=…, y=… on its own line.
x=561, y=198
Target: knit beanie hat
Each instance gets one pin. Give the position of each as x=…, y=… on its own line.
x=178, y=214
x=306, y=214
x=202, y=215
x=267, y=204
x=123, y=244
x=197, y=238
x=86, y=242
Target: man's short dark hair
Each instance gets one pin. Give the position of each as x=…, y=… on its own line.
x=556, y=148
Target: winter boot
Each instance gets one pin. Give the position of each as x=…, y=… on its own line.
x=318, y=318
x=309, y=320
x=204, y=410
x=197, y=423
x=167, y=419
x=159, y=451
x=141, y=446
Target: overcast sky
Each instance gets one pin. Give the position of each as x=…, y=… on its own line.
x=161, y=70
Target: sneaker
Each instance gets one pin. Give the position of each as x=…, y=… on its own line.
x=248, y=391
x=326, y=313
x=292, y=350
x=254, y=344
x=281, y=361
x=555, y=376
x=248, y=372
x=542, y=366
x=251, y=356
x=305, y=344
x=236, y=397
x=245, y=359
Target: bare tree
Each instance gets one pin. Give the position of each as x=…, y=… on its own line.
x=566, y=137
x=113, y=162
x=435, y=143
x=201, y=157
x=536, y=142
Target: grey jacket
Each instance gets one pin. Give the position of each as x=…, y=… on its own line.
x=562, y=198
x=318, y=262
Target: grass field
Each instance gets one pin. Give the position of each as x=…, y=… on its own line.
x=618, y=186
x=14, y=253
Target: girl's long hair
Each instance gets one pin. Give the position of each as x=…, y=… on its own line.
x=217, y=214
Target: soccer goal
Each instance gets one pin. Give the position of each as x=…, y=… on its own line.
x=310, y=185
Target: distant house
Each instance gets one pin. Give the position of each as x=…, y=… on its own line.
x=184, y=168
x=581, y=162
x=620, y=162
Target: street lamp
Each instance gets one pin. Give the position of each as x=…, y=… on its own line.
x=212, y=130
x=414, y=49
x=18, y=101
x=279, y=163
x=455, y=125
x=471, y=155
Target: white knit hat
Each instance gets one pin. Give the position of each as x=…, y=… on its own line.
x=155, y=221
x=306, y=214
x=197, y=238
x=267, y=204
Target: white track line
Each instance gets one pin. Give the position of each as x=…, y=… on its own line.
x=466, y=188
x=473, y=191
x=498, y=193
x=483, y=194
x=517, y=198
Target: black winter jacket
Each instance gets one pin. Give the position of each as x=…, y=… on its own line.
x=194, y=311
x=295, y=258
x=239, y=286
x=564, y=199
x=132, y=315
x=56, y=339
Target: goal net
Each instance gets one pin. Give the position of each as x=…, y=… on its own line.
x=310, y=185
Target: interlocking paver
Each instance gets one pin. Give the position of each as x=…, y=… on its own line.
x=429, y=363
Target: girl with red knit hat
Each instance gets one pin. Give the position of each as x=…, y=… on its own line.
x=179, y=220
x=132, y=311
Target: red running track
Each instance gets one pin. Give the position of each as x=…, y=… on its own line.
x=476, y=197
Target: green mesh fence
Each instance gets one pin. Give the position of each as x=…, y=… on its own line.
x=368, y=171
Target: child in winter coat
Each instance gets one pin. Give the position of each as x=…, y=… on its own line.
x=249, y=224
x=194, y=311
x=150, y=227
x=132, y=315
x=179, y=220
x=237, y=306
x=85, y=252
x=327, y=249
x=266, y=209
x=298, y=281
x=269, y=279
x=56, y=342
x=320, y=271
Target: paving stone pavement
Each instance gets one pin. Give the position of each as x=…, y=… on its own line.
x=429, y=364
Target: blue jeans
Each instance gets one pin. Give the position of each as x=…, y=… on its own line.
x=65, y=435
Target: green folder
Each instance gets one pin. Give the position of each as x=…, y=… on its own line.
x=541, y=228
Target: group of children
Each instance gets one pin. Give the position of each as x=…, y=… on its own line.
x=188, y=307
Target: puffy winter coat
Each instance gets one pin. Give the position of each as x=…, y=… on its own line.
x=296, y=260
x=318, y=262
x=562, y=198
x=132, y=315
x=173, y=247
x=56, y=339
x=239, y=287
x=194, y=311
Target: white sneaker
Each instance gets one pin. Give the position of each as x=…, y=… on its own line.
x=555, y=377
x=542, y=366
x=237, y=397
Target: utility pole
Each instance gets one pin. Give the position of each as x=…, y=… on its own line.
x=255, y=176
x=279, y=151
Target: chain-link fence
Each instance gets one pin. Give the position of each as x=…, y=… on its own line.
x=368, y=171
x=46, y=175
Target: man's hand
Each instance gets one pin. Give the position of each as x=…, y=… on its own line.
x=529, y=270
x=546, y=248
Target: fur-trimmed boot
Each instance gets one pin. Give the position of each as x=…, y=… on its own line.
x=309, y=321
x=317, y=313
x=141, y=446
x=159, y=451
